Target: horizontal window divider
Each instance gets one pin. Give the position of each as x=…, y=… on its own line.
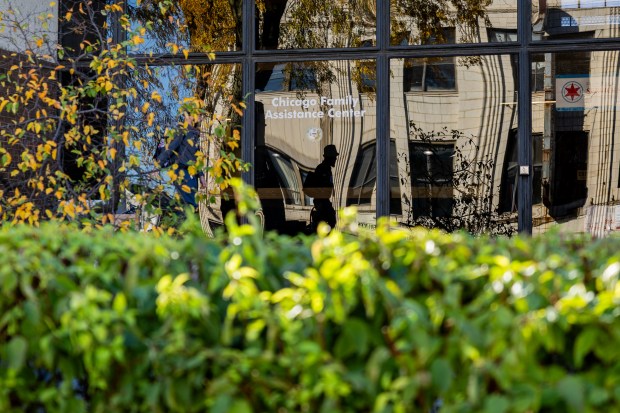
x=455, y=50
x=169, y=59
x=305, y=53
x=574, y=45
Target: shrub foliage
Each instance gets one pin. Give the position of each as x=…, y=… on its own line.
x=386, y=321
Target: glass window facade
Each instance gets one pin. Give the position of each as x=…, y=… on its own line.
x=490, y=116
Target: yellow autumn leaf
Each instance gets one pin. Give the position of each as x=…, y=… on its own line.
x=172, y=175
x=102, y=193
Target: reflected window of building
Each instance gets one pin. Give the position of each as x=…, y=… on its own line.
x=285, y=77
x=289, y=180
x=431, y=73
x=537, y=81
x=364, y=178
x=568, y=188
x=432, y=170
x=510, y=176
x=502, y=35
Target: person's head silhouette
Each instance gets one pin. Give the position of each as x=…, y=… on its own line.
x=330, y=154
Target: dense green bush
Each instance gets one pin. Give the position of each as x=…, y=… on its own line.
x=384, y=321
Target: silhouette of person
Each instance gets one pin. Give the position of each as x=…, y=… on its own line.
x=182, y=151
x=325, y=211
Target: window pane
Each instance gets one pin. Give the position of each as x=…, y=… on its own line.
x=210, y=90
x=198, y=26
x=322, y=124
x=561, y=19
x=575, y=122
x=451, y=21
x=315, y=24
x=456, y=147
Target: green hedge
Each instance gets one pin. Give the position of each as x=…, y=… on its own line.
x=384, y=321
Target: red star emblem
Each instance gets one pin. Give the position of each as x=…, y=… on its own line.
x=572, y=92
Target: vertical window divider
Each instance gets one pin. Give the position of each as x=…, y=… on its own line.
x=383, y=109
x=524, y=145
x=247, y=68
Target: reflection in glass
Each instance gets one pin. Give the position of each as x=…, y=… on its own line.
x=315, y=142
x=561, y=19
x=162, y=95
x=197, y=25
x=576, y=118
x=425, y=22
x=315, y=24
x=455, y=145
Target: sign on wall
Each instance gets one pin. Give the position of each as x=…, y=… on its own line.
x=570, y=92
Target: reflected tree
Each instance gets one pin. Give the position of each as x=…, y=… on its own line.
x=424, y=20
x=76, y=117
x=452, y=189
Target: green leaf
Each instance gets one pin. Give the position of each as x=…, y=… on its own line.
x=16, y=352
x=572, y=390
x=240, y=406
x=120, y=303
x=353, y=340
x=442, y=375
x=496, y=404
x=222, y=404
x=584, y=343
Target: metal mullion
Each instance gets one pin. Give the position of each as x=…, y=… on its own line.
x=383, y=110
x=303, y=55
x=577, y=46
x=248, y=80
x=167, y=60
x=451, y=51
x=524, y=135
